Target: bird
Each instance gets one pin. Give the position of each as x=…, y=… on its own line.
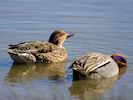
x=96, y=65
x=51, y=51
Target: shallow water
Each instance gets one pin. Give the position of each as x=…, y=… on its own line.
x=104, y=26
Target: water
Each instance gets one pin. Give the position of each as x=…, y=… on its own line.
x=100, y=25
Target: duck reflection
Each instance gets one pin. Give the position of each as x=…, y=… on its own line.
x=24, y=73
x=93, y=89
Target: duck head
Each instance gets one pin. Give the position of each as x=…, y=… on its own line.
x=58, y=37
x=120, y=60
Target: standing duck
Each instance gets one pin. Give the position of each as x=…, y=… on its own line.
x=40, y=51
x=97, y=65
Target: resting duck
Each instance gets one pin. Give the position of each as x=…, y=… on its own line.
x=41, y=51
x=97, y=65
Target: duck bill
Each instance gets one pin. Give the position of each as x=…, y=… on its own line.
x=70, y=36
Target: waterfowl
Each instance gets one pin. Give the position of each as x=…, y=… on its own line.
x=97, y=65
x=50, y=51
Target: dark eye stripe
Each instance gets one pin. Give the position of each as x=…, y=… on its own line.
x=119, y=58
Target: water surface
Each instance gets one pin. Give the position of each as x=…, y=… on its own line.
x=104, y=26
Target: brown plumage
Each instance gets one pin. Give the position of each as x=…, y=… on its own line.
x=40, y=51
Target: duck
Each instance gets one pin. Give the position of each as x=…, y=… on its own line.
x=51, y=51
x=96, y=65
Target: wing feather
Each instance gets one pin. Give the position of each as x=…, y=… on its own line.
x=33, y=47
x=92, y=61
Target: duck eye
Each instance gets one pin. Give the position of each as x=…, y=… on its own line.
x=61, y=34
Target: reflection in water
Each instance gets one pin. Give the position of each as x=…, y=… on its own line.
x=28, y=72
x=93, y=89
x=102, y=26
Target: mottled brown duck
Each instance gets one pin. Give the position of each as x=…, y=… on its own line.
x=51, y=51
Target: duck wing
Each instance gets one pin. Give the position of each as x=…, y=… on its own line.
x=91, y=62
x=32, y=47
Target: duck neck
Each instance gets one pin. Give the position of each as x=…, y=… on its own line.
x=60, y=45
